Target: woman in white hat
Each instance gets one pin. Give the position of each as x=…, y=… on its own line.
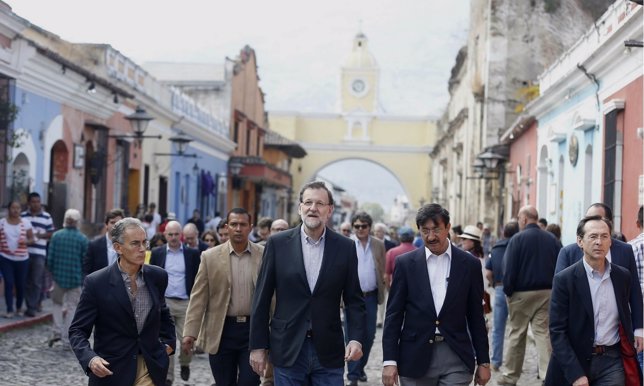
x=471, y=242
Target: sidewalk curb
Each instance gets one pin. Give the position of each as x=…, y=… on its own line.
x=26, y=322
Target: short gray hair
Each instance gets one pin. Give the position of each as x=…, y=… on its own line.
x=72, y=218
x=382, y=226
x=121, y=226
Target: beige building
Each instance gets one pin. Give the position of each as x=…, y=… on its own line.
x=360, y=130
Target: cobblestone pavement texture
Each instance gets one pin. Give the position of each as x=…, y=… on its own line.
x=26, y=359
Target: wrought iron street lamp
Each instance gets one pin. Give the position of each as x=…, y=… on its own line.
x=181, y=141
x=139, y=120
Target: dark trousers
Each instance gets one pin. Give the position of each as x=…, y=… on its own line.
x=231, y=366
x=355, y=369
x=15, y=276
x=35, y=281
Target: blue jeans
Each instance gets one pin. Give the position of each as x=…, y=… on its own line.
x=500, y=316
x=356, y=368
x=640, y=356
x=15, y=275
x=307, y=370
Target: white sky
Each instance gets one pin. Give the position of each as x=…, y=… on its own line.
x=300, y=45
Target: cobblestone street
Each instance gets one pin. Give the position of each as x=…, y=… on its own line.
x=26, y=360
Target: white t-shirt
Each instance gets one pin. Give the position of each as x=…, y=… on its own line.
x=12, y=235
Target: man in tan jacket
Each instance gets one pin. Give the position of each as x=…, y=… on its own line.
x=218, y=314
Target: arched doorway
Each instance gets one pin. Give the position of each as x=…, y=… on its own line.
x=20, y=179
x=364, y=182
x=57, y=202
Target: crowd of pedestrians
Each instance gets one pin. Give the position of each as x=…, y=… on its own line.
x=274, y=304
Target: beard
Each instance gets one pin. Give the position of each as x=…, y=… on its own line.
x=312, y=222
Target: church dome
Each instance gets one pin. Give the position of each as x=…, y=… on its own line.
x=360, y=56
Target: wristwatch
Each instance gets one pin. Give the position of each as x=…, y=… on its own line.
x=486, y=365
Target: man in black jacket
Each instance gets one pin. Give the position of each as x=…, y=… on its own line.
x=100, y=252
x=182, y=264
x=529, y=265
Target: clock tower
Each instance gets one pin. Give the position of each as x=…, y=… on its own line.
x=359, y=79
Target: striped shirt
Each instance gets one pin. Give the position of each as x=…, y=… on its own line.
x=638, y=250
x=65, y=260
x=41, y=223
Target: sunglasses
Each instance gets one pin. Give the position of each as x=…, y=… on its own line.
x=361, y=226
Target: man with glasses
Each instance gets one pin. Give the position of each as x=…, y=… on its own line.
x=181, y=262
x=345, y=229
x=434, y=328
x=218, y=316
x=279, y=225
x=306, y=271
x=371, y=272
x=124, y=305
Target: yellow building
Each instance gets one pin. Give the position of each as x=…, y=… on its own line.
x=399, y=144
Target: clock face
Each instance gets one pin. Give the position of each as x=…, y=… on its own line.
x=358, y=86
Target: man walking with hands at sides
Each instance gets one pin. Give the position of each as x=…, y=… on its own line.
x=181, y=263
x=124, y=305
x=588, y=308
x=218, y=315
x=434, y=326
x=308, y=270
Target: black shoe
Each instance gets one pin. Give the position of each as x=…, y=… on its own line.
x=30, y=313
x=363, y=378
x=185, y=372
x=352, y=383
x=53, y=340
x=168, y=382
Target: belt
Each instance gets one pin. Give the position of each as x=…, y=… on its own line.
x=309, y=333
x=175, y=298
x=600, y=350
x=370, y=293
x=437, y=338
x=238, y=319
x=498, y=283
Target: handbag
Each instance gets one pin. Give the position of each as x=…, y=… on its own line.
x=632, y=370
x=487, y=305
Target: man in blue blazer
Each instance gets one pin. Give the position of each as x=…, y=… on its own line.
x=182, y=264
x=620, y=254
x=124, y=305
x=309, y=269
x=434, y=326
x=588, y=305
x=100, y=253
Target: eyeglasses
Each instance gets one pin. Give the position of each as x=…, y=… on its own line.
x=361, y=226
x=427, y=231
x=309, y=204
x=278, y=229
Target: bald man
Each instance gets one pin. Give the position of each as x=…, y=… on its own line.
x=529, y=266
x=191, y=238
x=182, y=264
x=279, y=225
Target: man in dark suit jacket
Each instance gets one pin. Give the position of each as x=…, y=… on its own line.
x=128, y=346
x=182, y=264
x=621, y=254
x=309, y=269
x=584, y=324
x=100, y=253
x=191, y=238
x=435, y=313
